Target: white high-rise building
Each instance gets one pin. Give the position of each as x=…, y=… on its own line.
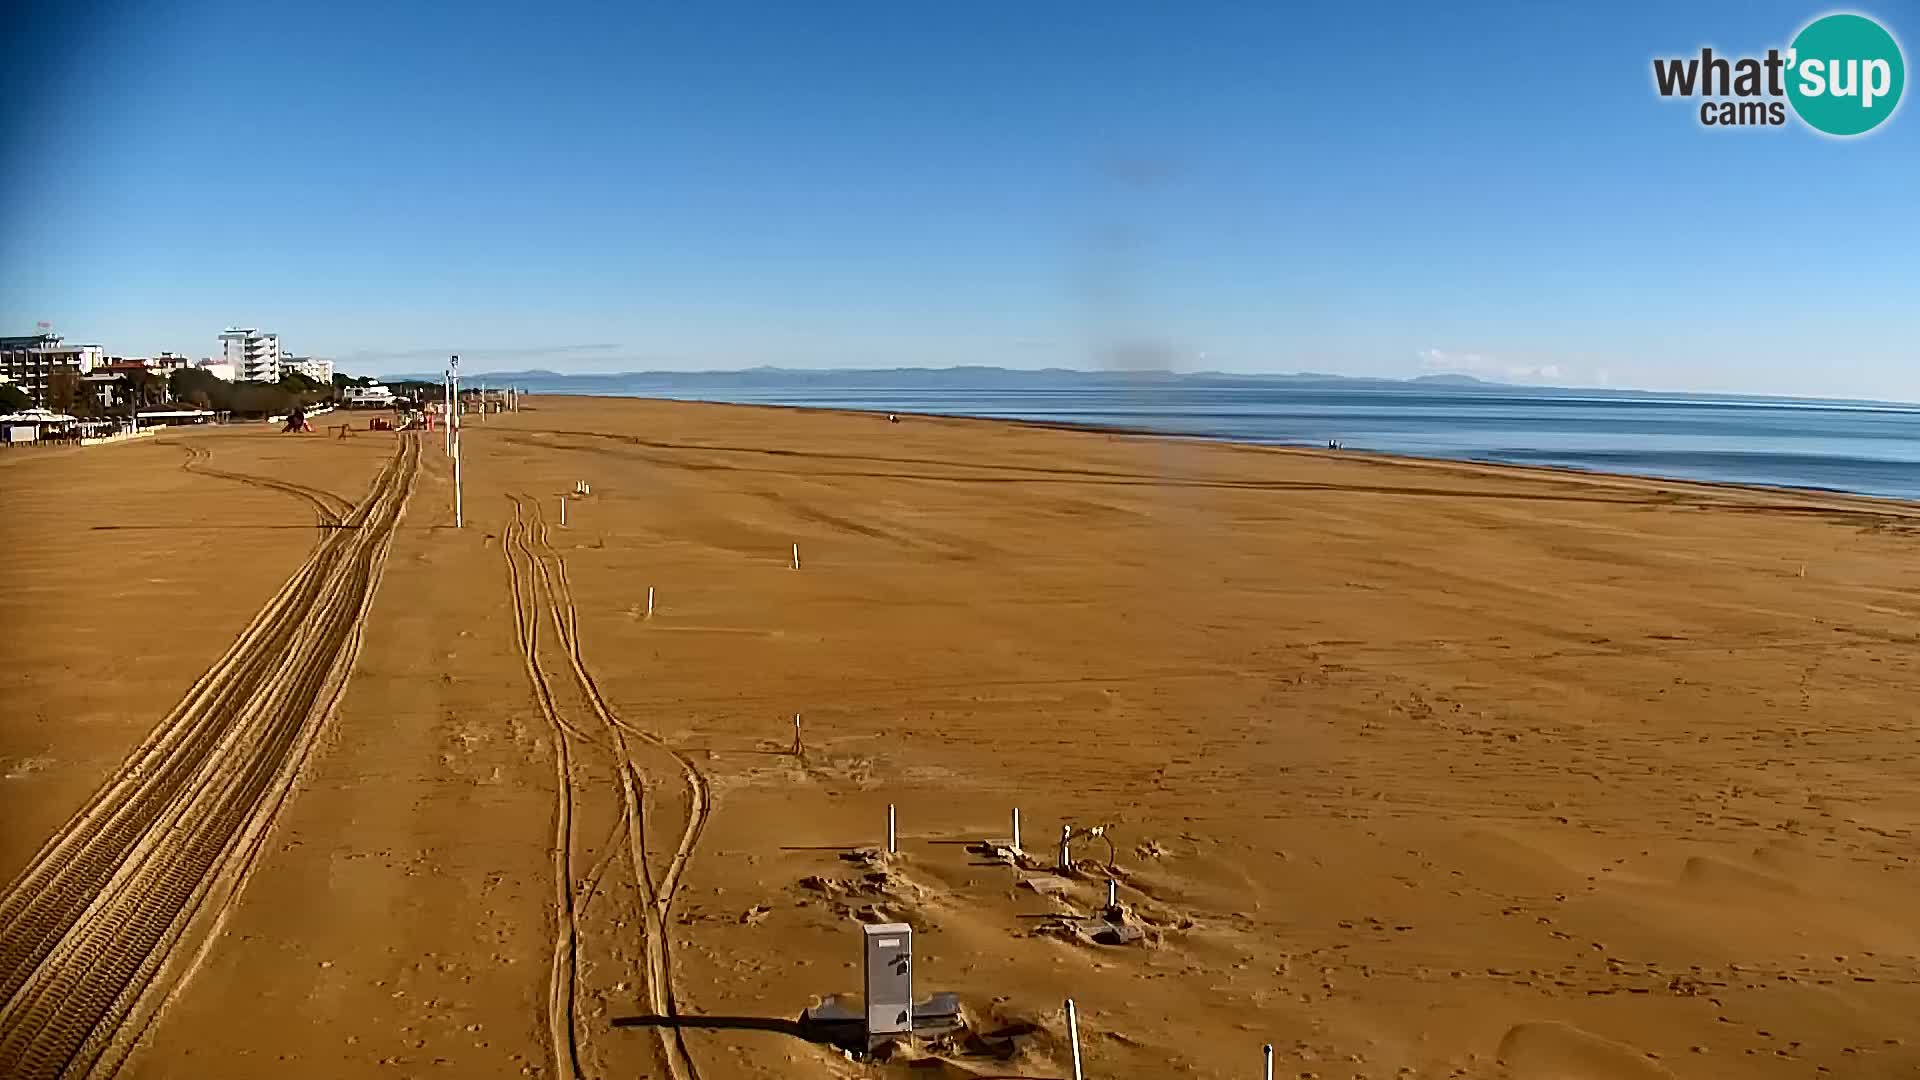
x=255, y=356
x=317, y=368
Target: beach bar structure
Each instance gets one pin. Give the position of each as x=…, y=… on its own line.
x=33, y=425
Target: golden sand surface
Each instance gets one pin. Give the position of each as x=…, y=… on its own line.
x=1408, y=768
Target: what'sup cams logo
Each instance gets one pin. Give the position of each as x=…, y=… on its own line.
x=1842, y=76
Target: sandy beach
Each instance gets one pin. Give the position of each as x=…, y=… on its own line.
x=1410, y=769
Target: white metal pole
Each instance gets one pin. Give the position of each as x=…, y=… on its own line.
x=649, y=601
x=453, y=403
x=798, y=746
x=563, y=511
x=796, y=556
x=893, y=844
x=1073, y=1037
x=1113, y=893
x=459, y=521
x=1268, y=1051
x=1016, y=830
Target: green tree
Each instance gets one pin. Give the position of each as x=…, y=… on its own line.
x=260, y=399
x=202, y=387
x=67, y=392
x=12, y=398
x=140, y=385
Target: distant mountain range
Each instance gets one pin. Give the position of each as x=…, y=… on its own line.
x=977, y=376
x=772, y=383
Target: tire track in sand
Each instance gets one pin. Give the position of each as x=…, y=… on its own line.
x=122, y=903
x=331, y=508
x=564, y=972
x=534, y=539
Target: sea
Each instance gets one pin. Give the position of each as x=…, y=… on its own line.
x=1861, y=447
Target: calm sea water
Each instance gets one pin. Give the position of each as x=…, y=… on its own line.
x=1871, y=449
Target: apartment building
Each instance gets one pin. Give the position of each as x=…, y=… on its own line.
x=255, y=356
x=32, y=363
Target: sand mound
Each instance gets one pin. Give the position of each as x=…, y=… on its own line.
x=1709, y=872
x=1555, y=1051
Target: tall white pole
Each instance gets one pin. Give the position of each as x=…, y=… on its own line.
x=453, y=403
x=459, y=521
x=893, y=843
x=1268, y=1050
x=1073, y=1037
x=446, y=408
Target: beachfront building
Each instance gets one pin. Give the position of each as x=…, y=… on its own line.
x=105, y=387
x=375, y=396
x=317, y=368
x=34, y=363
x=219, y=369
x=255, y=356
x=163, y=365
x=167, y=363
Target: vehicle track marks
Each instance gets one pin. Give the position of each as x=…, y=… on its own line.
x=331, y=508
x=564, y=972
x=116, y=911
x=535, y=540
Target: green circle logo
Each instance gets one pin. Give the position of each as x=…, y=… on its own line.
x=1845, y=74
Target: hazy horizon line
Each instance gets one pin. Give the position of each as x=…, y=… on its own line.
x=1428, y=378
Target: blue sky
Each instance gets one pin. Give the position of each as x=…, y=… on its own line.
x=1385, y=189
